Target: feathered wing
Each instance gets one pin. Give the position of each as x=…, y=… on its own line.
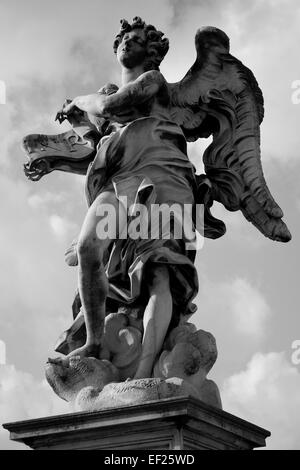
x=219, y=96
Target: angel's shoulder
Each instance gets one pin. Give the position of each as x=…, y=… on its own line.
x=153, y=76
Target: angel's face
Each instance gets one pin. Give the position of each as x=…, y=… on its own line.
x=132, y=51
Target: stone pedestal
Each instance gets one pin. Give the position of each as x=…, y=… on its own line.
x=180, y=423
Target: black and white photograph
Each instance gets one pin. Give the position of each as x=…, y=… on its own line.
x=150, y=218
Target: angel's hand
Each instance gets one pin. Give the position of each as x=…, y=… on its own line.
x=62, y=115
x=91, y=104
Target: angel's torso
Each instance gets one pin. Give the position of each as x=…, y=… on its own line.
x=149, y=147
x=156, y=106
x=148, y=144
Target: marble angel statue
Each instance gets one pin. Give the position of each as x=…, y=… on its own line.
x=131, y=143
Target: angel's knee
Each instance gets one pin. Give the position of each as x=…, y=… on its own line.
x=159, y=280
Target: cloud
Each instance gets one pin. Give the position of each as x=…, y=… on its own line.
x=62, y=228
x=41, y=201
x=237, y=313
x=240, y=230
x=267, y=394
x=24, y=397
x=249, y=308
x=245, y=307
x=37, y=288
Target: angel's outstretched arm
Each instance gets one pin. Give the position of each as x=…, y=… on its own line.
x=134, y=93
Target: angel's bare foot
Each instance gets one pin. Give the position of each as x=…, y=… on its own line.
x=88, y=350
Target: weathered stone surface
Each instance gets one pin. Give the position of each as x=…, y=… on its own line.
x=172, y=424
x=182, y=368
x=132, y=392
x=91, y=384
x=190, y=354
x=123, y=343
x=69, y=376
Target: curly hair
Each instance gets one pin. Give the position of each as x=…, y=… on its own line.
x=157, y=45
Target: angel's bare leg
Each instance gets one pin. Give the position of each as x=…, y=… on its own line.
x=157, y=317
x=92, y=280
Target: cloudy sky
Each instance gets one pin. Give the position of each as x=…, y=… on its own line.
x=249, y=285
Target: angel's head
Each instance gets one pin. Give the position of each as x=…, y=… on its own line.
x=140, y=44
